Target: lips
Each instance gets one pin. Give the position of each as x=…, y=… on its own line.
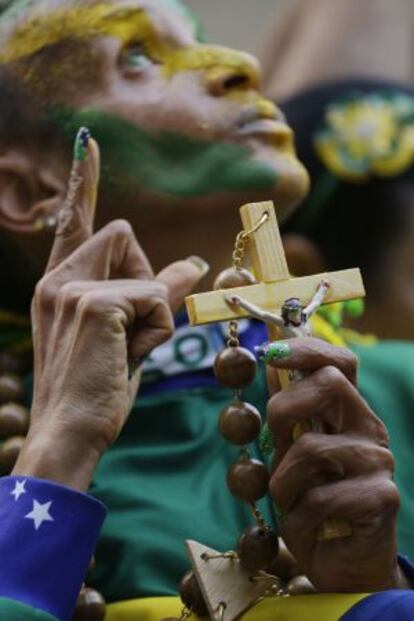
x=272, y=127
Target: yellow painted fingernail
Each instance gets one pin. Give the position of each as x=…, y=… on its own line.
x=200, y=264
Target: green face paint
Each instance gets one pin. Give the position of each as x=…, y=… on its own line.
x=168, y=163
x=276, y=351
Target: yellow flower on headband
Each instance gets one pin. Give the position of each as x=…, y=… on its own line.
x=368, y=135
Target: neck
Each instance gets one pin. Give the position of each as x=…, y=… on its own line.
x=211, y=238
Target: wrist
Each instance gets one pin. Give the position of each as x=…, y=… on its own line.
x=65, y=459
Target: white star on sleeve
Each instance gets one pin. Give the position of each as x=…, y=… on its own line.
x=40, y=513
x=19, y=490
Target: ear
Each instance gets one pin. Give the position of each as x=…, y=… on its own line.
x=31, y=191
x=303, y=255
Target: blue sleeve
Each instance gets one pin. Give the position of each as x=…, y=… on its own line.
x=48, y=534
x=386, y=606
x=389, y=605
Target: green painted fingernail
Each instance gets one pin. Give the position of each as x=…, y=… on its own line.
x=277, y=351
x=81, y=144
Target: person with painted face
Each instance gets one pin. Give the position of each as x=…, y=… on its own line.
x=185, y=137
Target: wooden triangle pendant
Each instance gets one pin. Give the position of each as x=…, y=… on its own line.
x=228, y=589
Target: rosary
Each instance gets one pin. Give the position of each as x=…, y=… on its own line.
x=224, y=585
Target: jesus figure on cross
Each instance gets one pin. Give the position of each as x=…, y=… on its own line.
x=294, y=319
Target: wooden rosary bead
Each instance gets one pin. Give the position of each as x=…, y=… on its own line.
x=257, y=547
x=9, y=453
x=11, y=388
x=14, y=420
x=91, y=606
x=300, y=585
x=17, y=364
x=192, y=595
x=240, y=423
x=283, y=565
x=235, y=367
x=248, y=479
x=233, y=277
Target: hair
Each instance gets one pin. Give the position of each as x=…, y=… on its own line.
x=354, y=224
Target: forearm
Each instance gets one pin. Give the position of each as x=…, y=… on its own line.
x=65, y=460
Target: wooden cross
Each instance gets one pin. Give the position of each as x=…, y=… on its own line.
x=271, y=271
x=274, y=287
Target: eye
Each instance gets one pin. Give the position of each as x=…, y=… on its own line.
x=135, y=56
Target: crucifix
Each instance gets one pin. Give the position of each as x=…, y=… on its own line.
x=265, y=300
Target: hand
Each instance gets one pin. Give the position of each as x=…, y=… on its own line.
x=98, y=307
x=345, y=473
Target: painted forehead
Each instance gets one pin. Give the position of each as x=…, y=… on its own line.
x=28, y=26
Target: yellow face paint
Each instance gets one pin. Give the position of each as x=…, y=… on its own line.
x=41, y=30
x=129, y=24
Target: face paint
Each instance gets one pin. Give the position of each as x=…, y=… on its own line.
x=167, y=163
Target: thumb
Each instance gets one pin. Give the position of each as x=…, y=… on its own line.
x=181, y=278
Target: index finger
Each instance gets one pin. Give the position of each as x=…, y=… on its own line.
x=307, y=355
x=75, y=223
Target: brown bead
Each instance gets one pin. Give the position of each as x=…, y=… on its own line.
x=170, y=619
x=16, y=364
x=232, y=278
x=240, y=423
x=9, y=453
x=91, y=606
x=284, y=565
x=257, y=547
x=192, y=595
x=235, y=367
x=248, y=479
x=11, y=388
x=300, y=585
x=14, y=420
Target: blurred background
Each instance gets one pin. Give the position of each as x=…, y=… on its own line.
x=219, y=17
x=303, y=41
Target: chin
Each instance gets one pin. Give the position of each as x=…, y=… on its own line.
x=291, y=186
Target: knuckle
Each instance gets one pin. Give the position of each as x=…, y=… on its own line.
x=350, y=362
x=309, y=447
x=89, y=305
x=388, y=497
x=388, y=460
x=383, y=436
x=332, y=379
x=314, y=499
x=120, y=228
x=45, y=293
x=69, y=295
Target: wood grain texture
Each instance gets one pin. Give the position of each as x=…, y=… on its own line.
x=225, y=581
x=265, y=245
x=212, y=307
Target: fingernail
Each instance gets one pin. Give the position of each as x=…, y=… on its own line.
x=81, y=144
x=273, y=351
x=200, y=264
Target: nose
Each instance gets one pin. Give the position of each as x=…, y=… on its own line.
x=223, y=69
x=231, y=70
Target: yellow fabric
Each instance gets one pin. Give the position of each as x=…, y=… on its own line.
x=323, y=330
x=298, y=608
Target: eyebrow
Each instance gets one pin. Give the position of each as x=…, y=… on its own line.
x=101, y=19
